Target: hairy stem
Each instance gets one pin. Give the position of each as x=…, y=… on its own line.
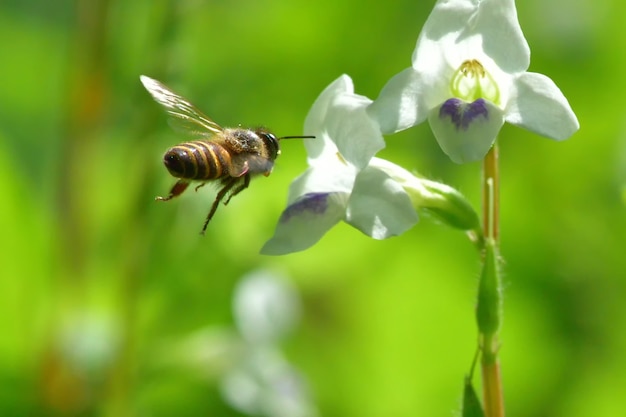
x=493, y=399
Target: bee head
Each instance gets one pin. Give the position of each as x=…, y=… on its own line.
x=271, y=144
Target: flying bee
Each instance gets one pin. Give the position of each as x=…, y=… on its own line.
x=230, y=156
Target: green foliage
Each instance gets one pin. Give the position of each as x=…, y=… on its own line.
x=98, y=279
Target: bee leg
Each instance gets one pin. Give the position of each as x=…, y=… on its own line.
x=220, y=195
x=198, y=186
x=177, y=189
x=240, y=188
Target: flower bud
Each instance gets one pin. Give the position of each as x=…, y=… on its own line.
x=441, y=200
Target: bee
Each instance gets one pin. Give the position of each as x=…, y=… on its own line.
x=229, y=156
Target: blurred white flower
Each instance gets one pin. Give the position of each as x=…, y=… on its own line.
x=265, y=307
x=264, y=383
x=254, y=376
x=90, y=340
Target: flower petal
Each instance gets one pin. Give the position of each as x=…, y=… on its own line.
x=449, y=19
x=340, y=124
x=464, y=25
x=541, y=107
x=400, y=104
x=305, y=221
x=379, y=206
x=314, y=122
x=357, y=137
x=466, y=131
x=503, y=39
x=332, y=178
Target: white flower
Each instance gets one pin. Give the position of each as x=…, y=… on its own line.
x=265, y=307
x=468, y=77
x=261, y=381
x=341, y=183
x=253, y=374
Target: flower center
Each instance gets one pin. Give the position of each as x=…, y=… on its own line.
x=471, y=82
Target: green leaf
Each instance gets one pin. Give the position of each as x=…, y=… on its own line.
x=471, y=403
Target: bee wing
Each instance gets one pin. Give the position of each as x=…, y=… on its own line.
x=245, y=163
x=184, y=116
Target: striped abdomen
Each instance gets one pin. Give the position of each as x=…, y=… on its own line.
x=197, y=160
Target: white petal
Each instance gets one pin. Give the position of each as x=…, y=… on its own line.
x=332, y=177
x=340, y=124
x=401, y=103
x=379, y=206
x=503, y=39
x=357, y=137
x=467, y=29
x=314, y=124
x=466, y=131
x=540, y=106
x=305, y=221
x=449, y=18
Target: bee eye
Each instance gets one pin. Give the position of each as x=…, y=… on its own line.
x=272, y=144
x=174, y=163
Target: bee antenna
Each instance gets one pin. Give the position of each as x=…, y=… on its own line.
x=297, y=137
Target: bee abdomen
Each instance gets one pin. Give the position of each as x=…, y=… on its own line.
x=197, y=160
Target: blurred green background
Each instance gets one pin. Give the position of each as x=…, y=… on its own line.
x=101, y=285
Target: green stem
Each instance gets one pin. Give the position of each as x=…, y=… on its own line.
x=493, y=399
x=491, y=195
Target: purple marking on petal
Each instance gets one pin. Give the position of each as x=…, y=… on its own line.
x=315, y=203
x=461, y=113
